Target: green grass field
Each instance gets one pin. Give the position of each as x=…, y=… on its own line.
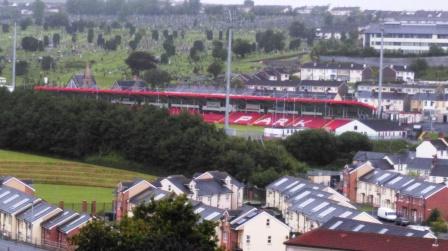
x=62, y=172
x=73, y=194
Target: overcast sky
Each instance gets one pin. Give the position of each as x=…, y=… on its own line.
x=365, y=4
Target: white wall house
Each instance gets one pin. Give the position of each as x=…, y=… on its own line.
x=433, y=148
x=375, y=129
x=409, y=38
x=349, y=72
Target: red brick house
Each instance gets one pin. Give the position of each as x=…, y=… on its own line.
x=351, y=175
x=125, y=191
x=418, y=207
x=70, y=229
x=50, y=231
x=324, y=239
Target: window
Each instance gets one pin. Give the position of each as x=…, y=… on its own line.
x=269, y=239
x=268, y=222
x=355, y=128
x=169, y=188
x=247, y=238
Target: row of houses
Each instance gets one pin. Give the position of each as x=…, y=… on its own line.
x=27, y=218
x=383, y=180
x=215, y=196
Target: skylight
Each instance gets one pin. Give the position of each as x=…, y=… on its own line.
x=382, y=177
x=159, y=196
x=292, y=184
x=407, y=183
x=395, y=180
x=359, y=227
x=305, y=203
x=320, y=206
x=335, y=225
x=41, y=212
x=414, y=186
x=300, y=196
x=4, y=194
x=383, y=231
x=326, y=212
x=278, y=183
x=212, y=215
x=297, y=188
x=199, y=210
x=18, y=204
x=409, y=234
x=10, y=199
x=427, y=189
x=346, y=214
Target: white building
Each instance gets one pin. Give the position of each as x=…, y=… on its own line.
x=374, y=129
x=433, y=149
x=409, y=38
x=349, y=72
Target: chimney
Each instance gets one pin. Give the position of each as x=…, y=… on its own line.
x=436, y=242
x=351, y=65
x=405, y=67
x=61, y=204
x=93, y=208
x=84, y=206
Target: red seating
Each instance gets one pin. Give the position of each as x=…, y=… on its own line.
x=210, y=117
x=241, y=118
x=336, y=123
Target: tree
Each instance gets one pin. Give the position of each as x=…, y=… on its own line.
x=21, y=68
x=215, y=68
x=57, y=20
x=435, y=50
x=156, y=77
x=199, y=45
x=38, y=12
x=56, y=39
x=297, y=29
x=349, y=143
x=90, y=35
x=295, y=44
x=100, y=41
x=242, y=47
x=155, y=35
x=153, y=224
x=419, y=66
x=139, y=61
x=302, y=145
x=270, y=40
x=5, y=28
x=46, y=41
x=30, y=44
x=436, y=222
x=194, y=55
x=169, y=47
x=24, y=23
x=47, y=63
x=209, y=34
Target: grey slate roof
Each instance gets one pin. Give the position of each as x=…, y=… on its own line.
x=13, y=201
x=248, y=215
x=210, y=187
x=366, y=155
x=405, y=185
x=59, y=219
x=180, y=182
x=351, y=225
x=401, y=158
x=37, y=211
x=74, y=223
x=148, y=194
x=382, y=125
x=419, y=29
x=385, y=95
x=439, y=144
x=207, y=212
x=381, y=164
x=420, y=163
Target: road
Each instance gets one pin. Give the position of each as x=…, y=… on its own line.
x=13, y=246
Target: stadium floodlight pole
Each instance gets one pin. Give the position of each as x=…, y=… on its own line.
x=228, y=74
x=380, y=82
x=13, y=87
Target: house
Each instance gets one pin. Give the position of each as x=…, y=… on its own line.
x=29, y=222
x=344, y=11
x=327, y=239
x=24, y=186
x=257, y=229
x=70, y=229
x=324, y=177
x=86, y=80
x=433, y=104
x=124, y=192
x=405, y=37
x=349, y=72
x=374, y=129
x=50, y=229
x=213, y=188
x=401, y=73
x=437, y=148
x=350, y=225
x=392, y=103
x=306, y=206
x=411, y=89
x=129, y=85
x=410, y=196
x=12, y=204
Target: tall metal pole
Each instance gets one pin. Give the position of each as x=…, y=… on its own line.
x=228, y=75
x=14, y=58
x=380, y=82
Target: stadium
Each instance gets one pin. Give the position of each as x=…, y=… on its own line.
x=292, y=111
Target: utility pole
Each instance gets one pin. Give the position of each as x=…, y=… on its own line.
x=228, y=75
x=380, y=82
x=13, y=84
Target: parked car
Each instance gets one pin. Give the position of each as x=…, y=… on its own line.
x=386, y=214
x=402, y=221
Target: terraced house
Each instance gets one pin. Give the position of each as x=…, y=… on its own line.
x=306, y=206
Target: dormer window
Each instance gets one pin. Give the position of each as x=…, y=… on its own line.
x=169, y=188
x=268, y=222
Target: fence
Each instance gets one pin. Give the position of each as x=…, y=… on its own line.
x=93, y=208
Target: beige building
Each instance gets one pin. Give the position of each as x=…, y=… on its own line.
x=29, y=222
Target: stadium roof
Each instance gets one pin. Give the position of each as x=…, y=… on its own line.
x=204, y=95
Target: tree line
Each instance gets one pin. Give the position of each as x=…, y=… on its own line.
x=79, y=128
